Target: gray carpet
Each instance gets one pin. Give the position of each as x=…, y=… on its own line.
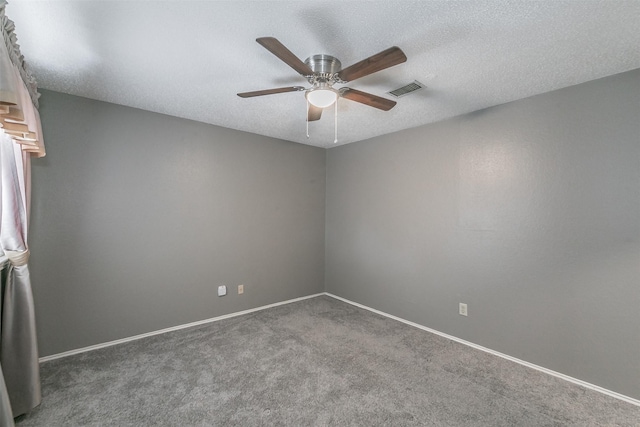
x=311, y=363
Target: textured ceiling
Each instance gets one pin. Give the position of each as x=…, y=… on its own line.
x=190, y=58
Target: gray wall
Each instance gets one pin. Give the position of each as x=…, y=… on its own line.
x=528, y=212
x=137, y=217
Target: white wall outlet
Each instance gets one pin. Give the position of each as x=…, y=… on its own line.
x=240, y=289
x=462, y=309
x=222, y=290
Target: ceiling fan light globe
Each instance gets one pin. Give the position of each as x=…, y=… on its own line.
x=322, y=98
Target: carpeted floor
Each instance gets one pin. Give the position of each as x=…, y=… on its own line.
x=315, y=362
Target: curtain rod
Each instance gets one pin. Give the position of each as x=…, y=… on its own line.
x=7, y=28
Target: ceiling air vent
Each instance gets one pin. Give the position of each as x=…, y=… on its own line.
x=406, y=89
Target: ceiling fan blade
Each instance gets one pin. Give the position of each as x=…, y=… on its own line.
x=278, y=49
x=385, y=59
x=314, y=113
x=270, y=91
x=367, y=99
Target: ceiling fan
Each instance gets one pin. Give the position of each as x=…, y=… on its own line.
x=323, y=71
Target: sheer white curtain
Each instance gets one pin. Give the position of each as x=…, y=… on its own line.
x=20, y=138
x=18, y=344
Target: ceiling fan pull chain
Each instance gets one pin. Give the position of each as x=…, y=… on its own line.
x=307, y=118
x=335, y=123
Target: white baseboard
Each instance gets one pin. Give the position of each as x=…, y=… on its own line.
x=496, y=353
x=399, y=319
x=174, y=328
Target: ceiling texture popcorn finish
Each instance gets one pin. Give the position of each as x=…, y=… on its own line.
x=190, y=58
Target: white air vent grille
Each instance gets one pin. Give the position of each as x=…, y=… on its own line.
x=406, y=89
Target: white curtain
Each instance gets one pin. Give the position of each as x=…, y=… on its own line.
x=20, y=138
x=18, y=344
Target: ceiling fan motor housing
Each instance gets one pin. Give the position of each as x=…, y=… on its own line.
x=324, y=66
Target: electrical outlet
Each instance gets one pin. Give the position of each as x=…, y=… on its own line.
x=462, y=309
x=240, y=289
x=222, y=290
